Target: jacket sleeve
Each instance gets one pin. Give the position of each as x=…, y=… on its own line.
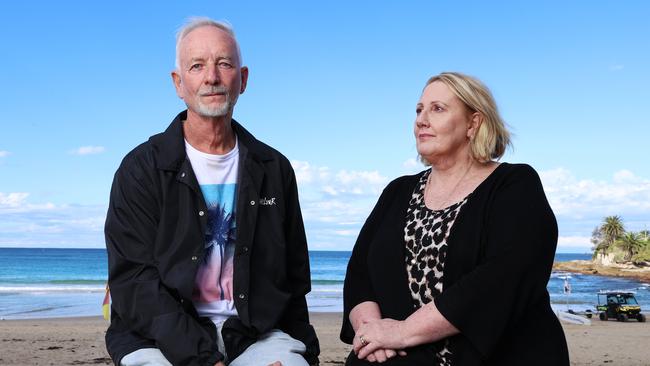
x=519, y=246
x=140, y=300
x=357, y=287
x=295, y=320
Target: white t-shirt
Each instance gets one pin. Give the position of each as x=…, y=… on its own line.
x=217, y=177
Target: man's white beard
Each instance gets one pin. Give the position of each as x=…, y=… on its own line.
x=214, y=111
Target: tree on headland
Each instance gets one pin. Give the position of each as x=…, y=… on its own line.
x=607, y=233
x=643, y=254
x=612, y=229
x=597, y=240
x=630, y=243
x=611, y=239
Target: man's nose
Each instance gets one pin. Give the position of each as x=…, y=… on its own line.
x=212, y=75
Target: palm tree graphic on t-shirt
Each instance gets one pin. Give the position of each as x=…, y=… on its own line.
x=220, y=236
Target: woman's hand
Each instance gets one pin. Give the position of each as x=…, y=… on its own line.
x=381, y=355
x=362, y=314
x=425, y=325
x=378, y=339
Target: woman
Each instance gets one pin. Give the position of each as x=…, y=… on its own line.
x=451, y=266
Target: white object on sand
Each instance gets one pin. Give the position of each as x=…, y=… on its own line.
x=572, y=318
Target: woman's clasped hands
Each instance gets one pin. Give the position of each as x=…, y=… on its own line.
x=379, y=339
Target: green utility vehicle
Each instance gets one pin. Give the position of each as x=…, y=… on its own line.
x=618, y=305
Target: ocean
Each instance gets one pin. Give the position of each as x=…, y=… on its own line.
x=47, y=283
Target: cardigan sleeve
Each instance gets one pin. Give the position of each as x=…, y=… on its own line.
x=519, y=244
x=357, y=287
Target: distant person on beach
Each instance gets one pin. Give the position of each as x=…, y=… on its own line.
x=451, y=266
x=208, y=261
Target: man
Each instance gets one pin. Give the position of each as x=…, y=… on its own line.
x=208, y=261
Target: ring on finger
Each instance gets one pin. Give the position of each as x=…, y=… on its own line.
x=363, y=341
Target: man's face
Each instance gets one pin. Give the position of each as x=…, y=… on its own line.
x=209, y=77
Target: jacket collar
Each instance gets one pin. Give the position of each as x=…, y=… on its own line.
x=169, y=146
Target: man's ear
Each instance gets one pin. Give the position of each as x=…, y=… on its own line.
x=176, y=79
x=244, y=78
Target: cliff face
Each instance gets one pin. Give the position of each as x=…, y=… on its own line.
x=597, y=267
x=604, y=259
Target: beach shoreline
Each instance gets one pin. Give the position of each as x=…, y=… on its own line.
x=80, y=341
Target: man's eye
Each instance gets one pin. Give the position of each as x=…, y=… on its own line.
x=196, y=67
x=225, y=65
x=418, y=110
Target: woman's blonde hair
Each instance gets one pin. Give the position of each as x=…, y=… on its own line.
x=492, y=137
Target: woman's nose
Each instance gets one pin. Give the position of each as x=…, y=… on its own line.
x=421, y=121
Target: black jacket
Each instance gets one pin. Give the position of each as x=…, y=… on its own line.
x=155, y=238
x=500, y=253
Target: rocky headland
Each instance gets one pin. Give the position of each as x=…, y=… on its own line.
x=640, y=272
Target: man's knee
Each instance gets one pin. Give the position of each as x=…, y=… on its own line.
x=145, y=357
x=274, y=346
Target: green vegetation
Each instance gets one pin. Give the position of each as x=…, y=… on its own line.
x=610, y=238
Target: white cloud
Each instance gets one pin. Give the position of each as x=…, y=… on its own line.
x=412, y=166
x=4, y=153
x=626, y=176
x=617, y=67
x=347, y=232
x=574, y=242
x=17, y=202
x=625, y=194
x=25, y=224
x=343, y=182
x=88, y=150
x=12, y=200
x=410, y=163
x=581, y=204
x=336, y=203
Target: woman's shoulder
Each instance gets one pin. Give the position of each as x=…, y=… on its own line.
x=513, y=178
x=517, y=171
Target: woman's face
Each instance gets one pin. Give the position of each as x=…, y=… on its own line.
x=443, y=124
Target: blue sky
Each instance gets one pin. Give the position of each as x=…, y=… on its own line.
x=333, y=85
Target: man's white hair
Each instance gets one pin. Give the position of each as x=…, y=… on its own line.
x=198, y=22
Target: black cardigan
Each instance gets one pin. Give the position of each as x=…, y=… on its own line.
x=499, y=259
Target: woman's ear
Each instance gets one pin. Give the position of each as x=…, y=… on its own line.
x=474, y=123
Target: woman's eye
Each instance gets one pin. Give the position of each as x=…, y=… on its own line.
x=418, y=110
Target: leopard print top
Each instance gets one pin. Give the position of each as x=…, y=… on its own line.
x=426, y=234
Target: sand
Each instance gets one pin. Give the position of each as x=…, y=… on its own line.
x=80, y=341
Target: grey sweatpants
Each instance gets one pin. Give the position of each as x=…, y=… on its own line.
x=275, y=345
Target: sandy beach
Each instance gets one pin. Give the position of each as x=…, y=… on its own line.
x=80, y=341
